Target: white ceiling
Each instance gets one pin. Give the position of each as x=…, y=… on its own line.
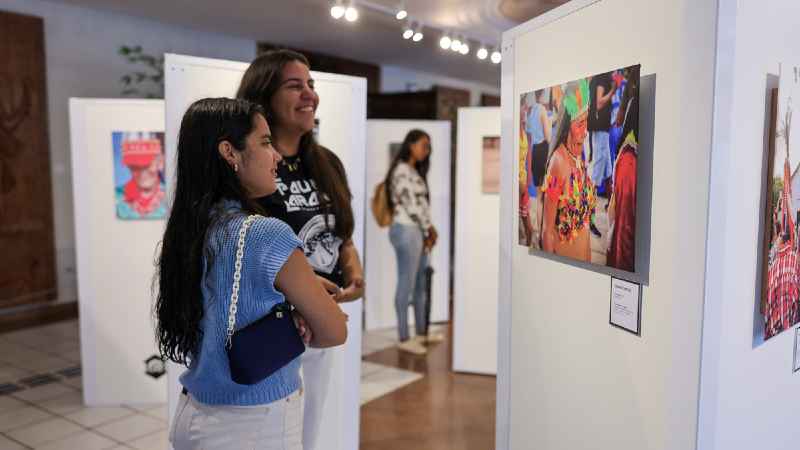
x=376, y=37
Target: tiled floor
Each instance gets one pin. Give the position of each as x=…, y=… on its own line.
x=41, y=400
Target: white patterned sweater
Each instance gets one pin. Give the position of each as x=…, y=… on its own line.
x=410, y=197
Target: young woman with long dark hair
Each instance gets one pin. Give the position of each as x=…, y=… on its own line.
x=312, y=197
x=412, y=235
x=225, y=161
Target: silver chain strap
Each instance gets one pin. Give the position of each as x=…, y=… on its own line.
x=237, y=275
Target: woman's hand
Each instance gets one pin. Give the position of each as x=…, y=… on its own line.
x=430, y=241
x=302, y=326
x=354, y=290
x=336, y=291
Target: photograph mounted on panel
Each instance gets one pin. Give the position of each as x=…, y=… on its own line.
x=490, y=169
x=577, y=168
x=139, y=189
x=782, y=298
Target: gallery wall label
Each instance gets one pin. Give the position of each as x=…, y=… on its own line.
x=626, y=305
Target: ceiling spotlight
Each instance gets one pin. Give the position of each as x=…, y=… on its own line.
x=401, y=10
x=407, y=31
x=445, y=42
x=337, y=11
x=496, y=57
x=418, y=34
x=351, y=14
x=464, y=48
x=456, y=44
x=482, y=52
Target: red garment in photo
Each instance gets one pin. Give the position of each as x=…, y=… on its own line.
x=783, y=290
x=621, y=250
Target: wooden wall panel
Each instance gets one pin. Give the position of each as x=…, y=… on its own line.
x=27, y=256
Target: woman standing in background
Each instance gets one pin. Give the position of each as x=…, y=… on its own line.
x=412, y=235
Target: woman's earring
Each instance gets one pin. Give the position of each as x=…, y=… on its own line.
x=236, y=167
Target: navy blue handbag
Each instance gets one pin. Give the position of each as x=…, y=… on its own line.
x=261, y=348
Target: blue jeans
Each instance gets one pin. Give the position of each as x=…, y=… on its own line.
x=602, y=157
x=408, y=242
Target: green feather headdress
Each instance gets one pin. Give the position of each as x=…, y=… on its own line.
x=577, y=102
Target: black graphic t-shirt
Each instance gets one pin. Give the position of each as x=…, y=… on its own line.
x=296, y=202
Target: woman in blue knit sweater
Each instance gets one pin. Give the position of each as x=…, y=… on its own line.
x=225, y=161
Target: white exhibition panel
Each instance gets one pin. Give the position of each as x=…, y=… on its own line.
x=476, y=262
x=342, y=114
x=381, y=270
x=115, y=258
x=749, y=394
x=571, y=369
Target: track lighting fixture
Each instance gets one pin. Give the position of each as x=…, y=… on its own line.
x=407, y=31
x=464, y=47
x=496, y=57
x=456, y=44
x=401, y=10
x=351, y=13
x=418, y=33
x=445, y=42
x=338, y=10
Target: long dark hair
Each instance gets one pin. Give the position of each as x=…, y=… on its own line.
x=403, y=156
x=204, y=178
x=259, y=83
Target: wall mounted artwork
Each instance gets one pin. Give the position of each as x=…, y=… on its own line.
x=781, y=282
x=577, y=168
x=490, y=169
x=139, y=189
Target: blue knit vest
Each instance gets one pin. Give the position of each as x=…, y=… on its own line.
x=268, y=244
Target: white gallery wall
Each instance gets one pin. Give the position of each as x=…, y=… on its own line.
x=561, y=366
x=81, y=57
x=115, y=258
x=342, y=114
x=380, y=272
x=751, y=398
x=476, y=260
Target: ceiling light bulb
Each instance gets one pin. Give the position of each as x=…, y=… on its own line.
x=464, y=49
x=337, y=11
x=351, y=14
x=401, y=14
x=445, y=42
x=407, y=33
x=418, y=36
x=496, y=57
x=455, y=45
x=483, y=53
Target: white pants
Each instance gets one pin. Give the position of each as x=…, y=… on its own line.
x=317, y=363
x=275, y=426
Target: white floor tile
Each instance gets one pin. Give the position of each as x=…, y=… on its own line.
x=20, y=417
x=157, y=440
x=7, y=402
x=159, y=412
x=92, y=416
x=368, y=368
x=76, y=383
x=64, y=404
x=392, y=376
x=145, y=407
x=44, y=363
x=44, y=432
x=8, y=444
x=372, y=390
x=132, y=427
x=83, y=441
x=38, y=394
x=9, y=373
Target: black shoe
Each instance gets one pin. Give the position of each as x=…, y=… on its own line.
x=595, y=231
